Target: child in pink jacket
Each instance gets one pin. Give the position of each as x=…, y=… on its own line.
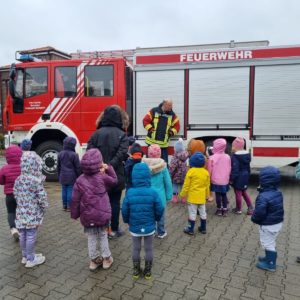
x=8, y=175
x=219, y=168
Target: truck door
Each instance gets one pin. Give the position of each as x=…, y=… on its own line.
x=100, y=90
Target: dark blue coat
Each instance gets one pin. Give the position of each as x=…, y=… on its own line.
x=240, y=170
x=141, y=206
x=269, y=202
x=130, y=162
x=68, y=163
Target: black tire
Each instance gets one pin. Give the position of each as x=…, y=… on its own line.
x=48, y=151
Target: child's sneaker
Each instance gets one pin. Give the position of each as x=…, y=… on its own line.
x=236, y=211
x=95, y=263
x=225, y=212
x=38, y=260
x=218, y=212
x=15, y=233
x=24, y=259
x=107, y=262
x=162, y=235
x=250, y=212
x=175, y=199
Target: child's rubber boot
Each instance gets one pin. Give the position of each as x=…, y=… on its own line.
x=136, y=269
x=147, y=270
x=190, y=228
x=269, y=264
x=175, y=198
x=202, y=227
x=262, y=258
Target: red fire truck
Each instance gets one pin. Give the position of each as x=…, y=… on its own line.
x=250, y=90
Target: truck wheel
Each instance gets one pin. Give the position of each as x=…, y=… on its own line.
x=48, y=151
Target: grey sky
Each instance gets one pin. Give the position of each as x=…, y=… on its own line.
x=91, y=25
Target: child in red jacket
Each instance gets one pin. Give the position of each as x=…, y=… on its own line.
x=8, y=175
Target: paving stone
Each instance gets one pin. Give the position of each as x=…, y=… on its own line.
x=292, y=289
x=116, y=292
x=198, y=284
x=178, y=286
x=273, y=291
x=218, y=283
x=150, y=297
x=55, y=295
x=232, y=293
x=32, y=296
x=167, y=277
x=170, y=296
x=157, y=288
x=5, y=290
x=45, y=289
x=253, y=292
x=211, y=294
x=192, y=294
x=138, y=290
x=26, y=289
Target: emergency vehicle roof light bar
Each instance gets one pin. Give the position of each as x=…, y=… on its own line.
x=26, y=57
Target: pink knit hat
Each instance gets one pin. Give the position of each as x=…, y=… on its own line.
x=154, y=151
x=238, y=143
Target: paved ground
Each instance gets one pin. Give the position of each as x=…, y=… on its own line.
x=218, y=265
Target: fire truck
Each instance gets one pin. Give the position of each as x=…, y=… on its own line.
x=227, y=90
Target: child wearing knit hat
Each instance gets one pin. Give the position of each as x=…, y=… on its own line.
x=135, y=156
x=219, y=168
x=196, y=190
x=240, y=173
x=178, y=168
x=160, y=181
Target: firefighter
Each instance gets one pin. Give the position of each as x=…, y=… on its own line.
x=161, y=123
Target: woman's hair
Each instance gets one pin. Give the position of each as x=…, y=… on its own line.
x=124, y=117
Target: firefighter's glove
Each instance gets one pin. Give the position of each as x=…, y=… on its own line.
x=170, y=132
x=150, y=130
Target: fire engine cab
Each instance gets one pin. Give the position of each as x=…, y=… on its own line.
x=247, y=89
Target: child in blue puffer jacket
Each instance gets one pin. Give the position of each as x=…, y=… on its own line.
x=141, y=209
x=268, y=213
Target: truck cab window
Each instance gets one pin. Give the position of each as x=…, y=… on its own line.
x=36, y=82
x=65, y=81
x=99, y=81
x=19, y=84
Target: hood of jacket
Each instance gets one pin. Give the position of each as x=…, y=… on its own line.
x=13, y=154
x=91, y=161
x=69, y=143
x=219, y=146
x=31, y=164
x=182, y=155
x=156, y=165
x=243, y=156
x=269, y=177
x=111, y=118
x=141, y=175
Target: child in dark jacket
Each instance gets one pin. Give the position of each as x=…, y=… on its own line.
x=240, y=173
x=8, y=175
x=268, y=213
x=178, y=168
x=141, y=208
x=90, y=202
x=68, y=170
x=136, y=155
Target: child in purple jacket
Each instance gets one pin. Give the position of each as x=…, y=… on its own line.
x=68, y=170
x=8, y=175
x=90, y=202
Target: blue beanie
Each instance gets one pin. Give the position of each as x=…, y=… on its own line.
x=178, y=146
x=26, y=144
x=197, y=160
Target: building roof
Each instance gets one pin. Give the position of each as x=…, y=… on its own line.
x=45, y=50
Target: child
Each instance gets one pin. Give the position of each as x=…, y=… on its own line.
x=26, y=145
x=268, y=213
x=136, y=155
x=160, y=181
x=90, y=202
x=178, y=169
x=240, y=173
x=219, y=168
x=196, y=189
x=141, y=208
x=68, y=170
x=31, y=203
x=8, y=175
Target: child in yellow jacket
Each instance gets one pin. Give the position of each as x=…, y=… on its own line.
x=196, y=190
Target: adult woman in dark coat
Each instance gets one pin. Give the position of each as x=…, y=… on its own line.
x=111, y=139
